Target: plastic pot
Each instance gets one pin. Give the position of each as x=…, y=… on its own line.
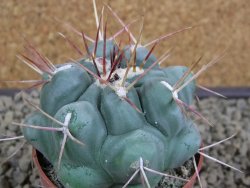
x=46, y=182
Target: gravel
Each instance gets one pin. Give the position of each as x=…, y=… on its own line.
x=17, y=171
x=227, y=117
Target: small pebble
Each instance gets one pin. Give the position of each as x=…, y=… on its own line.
x=24, y=163
x=19, y=176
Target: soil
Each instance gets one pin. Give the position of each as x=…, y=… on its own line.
x=186, y=171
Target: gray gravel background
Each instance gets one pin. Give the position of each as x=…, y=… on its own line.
x=228, y=116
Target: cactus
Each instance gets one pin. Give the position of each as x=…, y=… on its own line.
x=114, y=134
x=103, y=116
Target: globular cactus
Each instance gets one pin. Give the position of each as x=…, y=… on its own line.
x=104, y=115
x=116, y=126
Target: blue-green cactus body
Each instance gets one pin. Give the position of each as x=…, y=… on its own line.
x=111, y=48
x=141, y=54
x=116, y=129
x=61, y=85
x=85, y=122
x=144, y=143
x=118, y=115
x=35, y=136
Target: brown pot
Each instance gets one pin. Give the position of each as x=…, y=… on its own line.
x=192, y=180
x=45, y=181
